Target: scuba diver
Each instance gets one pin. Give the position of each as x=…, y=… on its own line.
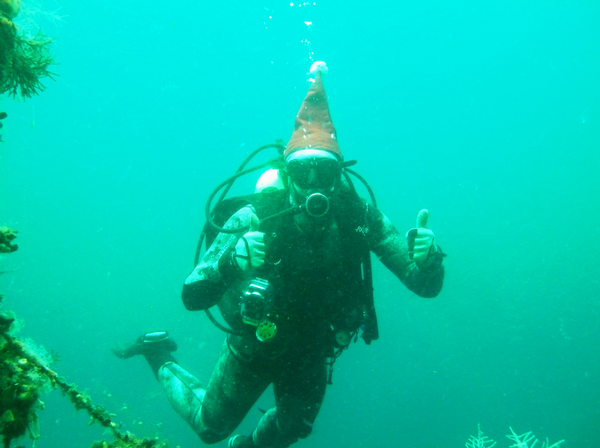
x=290, y=273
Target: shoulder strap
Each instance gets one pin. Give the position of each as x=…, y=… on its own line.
x=351, y=215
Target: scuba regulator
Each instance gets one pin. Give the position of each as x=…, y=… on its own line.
x=316, y=205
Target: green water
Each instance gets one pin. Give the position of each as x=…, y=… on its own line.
x=487, y=115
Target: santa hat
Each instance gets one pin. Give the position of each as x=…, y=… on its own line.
x=313, y=128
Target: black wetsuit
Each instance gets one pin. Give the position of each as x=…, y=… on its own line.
x=317, y=290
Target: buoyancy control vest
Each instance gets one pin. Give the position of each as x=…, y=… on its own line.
x=354, y=307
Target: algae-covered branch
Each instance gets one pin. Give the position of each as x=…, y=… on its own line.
x=25, y=376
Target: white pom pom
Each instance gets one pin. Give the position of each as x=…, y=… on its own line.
x=319, y=66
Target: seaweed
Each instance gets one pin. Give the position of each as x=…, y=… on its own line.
x=22, y=384
x=525, y=440
x=27, y=64
x=24, y=59
x=25, y=376
x=7, y=235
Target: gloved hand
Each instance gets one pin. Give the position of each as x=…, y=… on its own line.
x=250, y=248
x=420, y=240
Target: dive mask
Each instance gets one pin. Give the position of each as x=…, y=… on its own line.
x=313, y=173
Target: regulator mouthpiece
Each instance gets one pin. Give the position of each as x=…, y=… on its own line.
x=317, y=205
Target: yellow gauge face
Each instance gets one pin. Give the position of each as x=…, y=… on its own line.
x=266, y=330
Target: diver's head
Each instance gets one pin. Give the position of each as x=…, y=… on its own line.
x=312, y=156
x=312, y=176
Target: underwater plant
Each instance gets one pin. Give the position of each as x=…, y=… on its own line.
x=7, y=235
x=24, y=59
x=525, y=440
x=25, y=376
x=479, y=441
x=22, y=385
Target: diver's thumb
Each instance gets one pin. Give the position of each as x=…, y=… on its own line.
x=422, y=218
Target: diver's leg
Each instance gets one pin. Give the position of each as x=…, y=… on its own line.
x=234, y=387
x=183, y=389
x=184, y=392
x=212, y=413
x=299, y=393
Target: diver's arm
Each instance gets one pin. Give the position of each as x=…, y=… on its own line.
x=218, y=269
x=391, y=248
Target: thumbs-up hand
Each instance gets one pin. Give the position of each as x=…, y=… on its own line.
x=420, y=240
x=250, y=248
